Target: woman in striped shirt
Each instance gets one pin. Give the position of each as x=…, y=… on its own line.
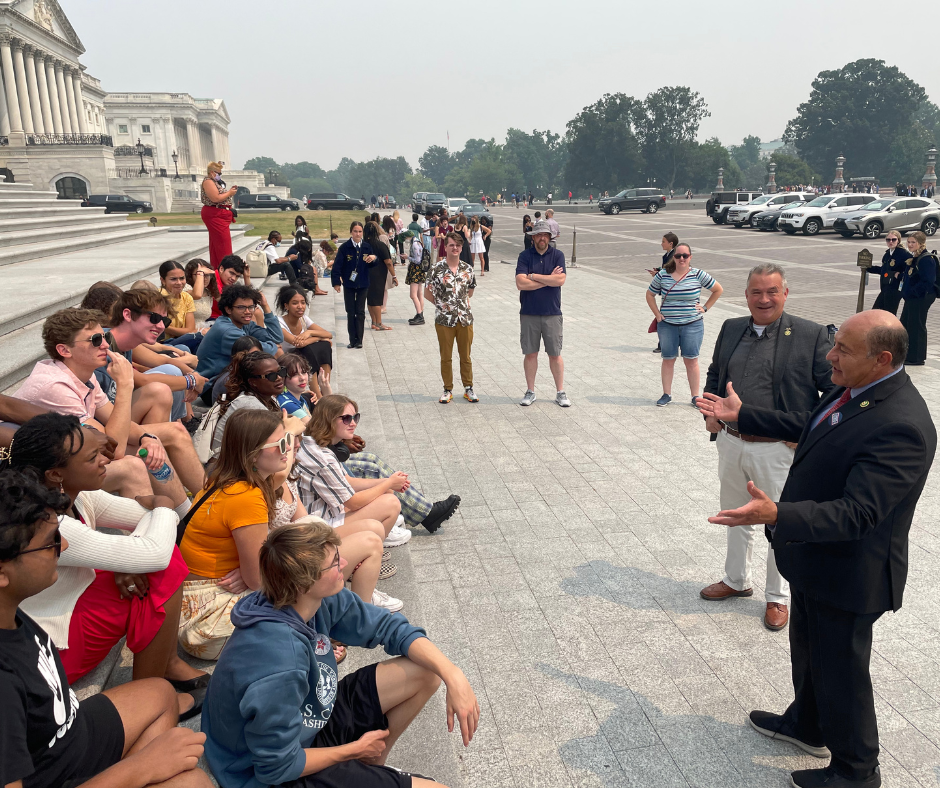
x=679, y=318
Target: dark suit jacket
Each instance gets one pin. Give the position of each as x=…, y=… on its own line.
x=347, y=260
x=801, y=370
x=846, y=509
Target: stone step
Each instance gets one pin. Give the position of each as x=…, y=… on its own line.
x=33, y=199
x=14, y=188
x=42, y=222
x=69, y=232
x=33, y=251
x=51, y=210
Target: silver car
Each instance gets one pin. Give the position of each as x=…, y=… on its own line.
x=893, y=213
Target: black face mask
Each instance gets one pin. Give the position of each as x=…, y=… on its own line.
x=341, y=450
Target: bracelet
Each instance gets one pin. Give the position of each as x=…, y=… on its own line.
x=148, y=435
x=190, y=382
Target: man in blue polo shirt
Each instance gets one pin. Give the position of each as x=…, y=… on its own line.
x=540, y=274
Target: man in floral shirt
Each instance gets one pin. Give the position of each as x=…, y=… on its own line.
x=450, y=285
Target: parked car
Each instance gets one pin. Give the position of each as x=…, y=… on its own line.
x=472, y=209
x=739, y=215
x=417, y=201
x=720, y=202
x=893, y=213
x=334, y=201
x=266, y=201
x=117, y=203
x=767, y=220
x=646, y=200
x=433, y=201
x=821, y=213
x=455, y=205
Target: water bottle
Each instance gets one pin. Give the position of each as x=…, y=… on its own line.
x=163, y=473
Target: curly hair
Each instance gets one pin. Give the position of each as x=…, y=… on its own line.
x=243, y=367
x=24, y=505
x=328, y=409
x=45, y=442
x=234, y=293
x=61, y=328
x=285, y=294
x=101, y=297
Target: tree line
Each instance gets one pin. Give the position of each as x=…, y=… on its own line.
x=872, y=113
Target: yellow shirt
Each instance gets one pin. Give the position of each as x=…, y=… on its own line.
x=182, y=306
x=208, y=546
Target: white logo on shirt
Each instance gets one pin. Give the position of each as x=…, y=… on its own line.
x=326, y=686
x=47, y=667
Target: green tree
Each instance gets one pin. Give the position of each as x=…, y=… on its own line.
x=340, y=176
x=856, y=111
x=456, y=184
x=416, y=182
x=490, y=173
x=301, y=186
x=538, y=157
x=302, y=169
x=747, y=153
x=793, y=171
x=261, y=164
x=701, y=169
x=667, y=126
x=602, y=147
x=471, y=149
x=436, y=163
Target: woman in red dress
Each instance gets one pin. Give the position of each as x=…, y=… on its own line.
x=217, y=213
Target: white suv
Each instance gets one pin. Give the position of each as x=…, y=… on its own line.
x=739, y=215
x=455, y=205
x=821, y=213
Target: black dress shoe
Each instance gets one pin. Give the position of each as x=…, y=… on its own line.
x=775, y=727
x=358, y=345
x=351, y=345
x=827, y=778
x=199, y=695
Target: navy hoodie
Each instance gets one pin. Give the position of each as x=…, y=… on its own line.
x=275, y=683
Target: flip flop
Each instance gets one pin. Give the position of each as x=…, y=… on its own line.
x=383, y=327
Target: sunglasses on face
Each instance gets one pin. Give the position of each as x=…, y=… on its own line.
x=56, y=545
x=891, y=240
x=155, y=318
x=274, y=377
x=348, y=419
x=283, y=445
x=682, y=256
x=95, y=339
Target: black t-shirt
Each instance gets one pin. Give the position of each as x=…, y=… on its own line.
x=42, y=735
x=382, y=253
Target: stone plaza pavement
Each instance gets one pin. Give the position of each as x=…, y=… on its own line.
x=566, y=587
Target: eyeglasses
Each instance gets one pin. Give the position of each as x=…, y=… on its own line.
x=682, y=256
x=274, y=377
x=95, y=339
x=348, y=419
x=155, y=318
x=892, y=240
x=56, y=545
x=283, y=445
x=244, y=307
x=335, y=564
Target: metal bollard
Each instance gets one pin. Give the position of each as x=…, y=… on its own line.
x=574, y=247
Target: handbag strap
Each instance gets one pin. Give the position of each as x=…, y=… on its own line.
x=181, y=527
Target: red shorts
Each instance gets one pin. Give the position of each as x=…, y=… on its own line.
x=101, y=617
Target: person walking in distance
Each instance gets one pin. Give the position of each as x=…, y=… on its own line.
x=540, y=274
x=477, y=247
x=450, y=287
x=840, y=536
x=552, y=226
x=772, y=360
x=351, y=274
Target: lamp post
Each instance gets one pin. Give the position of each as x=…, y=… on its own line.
x=270, y=176
x=176, y=159
x=140, y=151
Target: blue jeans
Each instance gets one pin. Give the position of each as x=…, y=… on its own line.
x=179, y=407
x=188, y=341
x=687, y=336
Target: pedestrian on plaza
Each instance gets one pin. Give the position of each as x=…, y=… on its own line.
x=450, y=287
x=430, y=234
x=669, y=242
x=416, y=278
x=776, y=361
x=840, y=536
x=893, y=264
x=374, y=202
x=553, y=226
x=477, y=247
x=381, y=270
x=278, y=265
x=217, y=213
x=680, y=320
x=569, y=196
x=540, y=275
x=300, y=227
x=441, y=230
x=463, y=227
x=919, y=289
x=549, y=198
x=487, y=222
x=591, y=198
x=527, y=225
x=351, y=271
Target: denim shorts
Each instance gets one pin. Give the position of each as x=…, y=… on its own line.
x=687, y=336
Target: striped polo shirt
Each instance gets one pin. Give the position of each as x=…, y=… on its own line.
x=678, y=307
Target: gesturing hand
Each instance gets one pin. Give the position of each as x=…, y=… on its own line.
x=722, y=408
x=760, y=510
x=462, y=702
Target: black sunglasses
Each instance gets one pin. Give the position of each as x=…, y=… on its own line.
x=681, y=256
x=155, y=318
x=56, y=545
x=95, y=339
x=348, y=419
x=272, y=376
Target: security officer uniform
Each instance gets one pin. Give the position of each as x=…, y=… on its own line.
x=889, y=275
x=919, y=291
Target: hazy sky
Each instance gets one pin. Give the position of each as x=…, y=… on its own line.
x=320, y=80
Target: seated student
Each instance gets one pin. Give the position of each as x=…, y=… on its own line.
x=182, y=329
x=231, y=269
x=109, y=585
x=238, y=303
x=255, y=379
x=323, y=259
x=296, y=399
x=125, y=736
x=101, y=296
x=274, y=713
x=303, y=336
x=203, y=289
x=66, y=383
x=278, y=265
x=229, y=521
x=243, y=344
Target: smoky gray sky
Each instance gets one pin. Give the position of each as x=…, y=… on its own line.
x=317, y=81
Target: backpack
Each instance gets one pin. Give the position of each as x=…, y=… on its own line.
x=306, y=277
x=417, y=251
x=936, y=284
x=257, y=261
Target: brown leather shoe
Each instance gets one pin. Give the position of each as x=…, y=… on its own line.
x=776, y=616
x=721, y=590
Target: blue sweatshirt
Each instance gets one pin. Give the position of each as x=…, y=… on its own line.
x=215, y=350
x=275, y=683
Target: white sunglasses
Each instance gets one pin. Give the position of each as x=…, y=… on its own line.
x=284, y=444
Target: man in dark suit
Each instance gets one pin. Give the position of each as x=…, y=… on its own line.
x=840, y=535
x=778, y=362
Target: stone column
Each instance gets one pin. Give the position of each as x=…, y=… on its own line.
x=9, y=83
x=19, y=69
x=74, y=110
x=771, y=187
x=838, y=184
x=225, y=150
x=216, y=142
x=721, y=180
x=35, y=104
x=4, y=115
x=192, y=137
x=45, y=104
x=930, y=177
x=79, y=101
x=54, y=107
x=63, y=98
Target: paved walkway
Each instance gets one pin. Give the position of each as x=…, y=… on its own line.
x=567, y=585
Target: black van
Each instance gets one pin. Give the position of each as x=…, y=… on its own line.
x=332, y=201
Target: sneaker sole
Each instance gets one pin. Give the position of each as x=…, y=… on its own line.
x=433, y=528
x=817, y=752
x=735, y=595
x=397, y=542
x=663, y=404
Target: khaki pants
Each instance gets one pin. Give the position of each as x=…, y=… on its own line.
x=767, y=465
x=445, y=339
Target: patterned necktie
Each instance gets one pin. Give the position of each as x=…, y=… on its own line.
x=846, y=396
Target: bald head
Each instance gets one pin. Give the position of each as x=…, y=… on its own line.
x=868, y=346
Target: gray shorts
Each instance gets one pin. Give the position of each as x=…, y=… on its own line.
x=535, y=328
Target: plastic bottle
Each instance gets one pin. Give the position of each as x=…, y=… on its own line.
x=162, y=474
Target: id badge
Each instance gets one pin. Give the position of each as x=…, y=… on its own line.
x=353, y=275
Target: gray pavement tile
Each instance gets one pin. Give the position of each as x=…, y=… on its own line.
x=651, y=766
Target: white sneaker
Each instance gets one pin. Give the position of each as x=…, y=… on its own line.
x=400, y=522
x=397, y=536
x=392, y=605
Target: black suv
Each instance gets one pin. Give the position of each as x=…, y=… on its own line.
x=117, y=203
x=265, y=201
x=646, y=200
x=719, y=203
x=332, y=201
x=430, y=201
